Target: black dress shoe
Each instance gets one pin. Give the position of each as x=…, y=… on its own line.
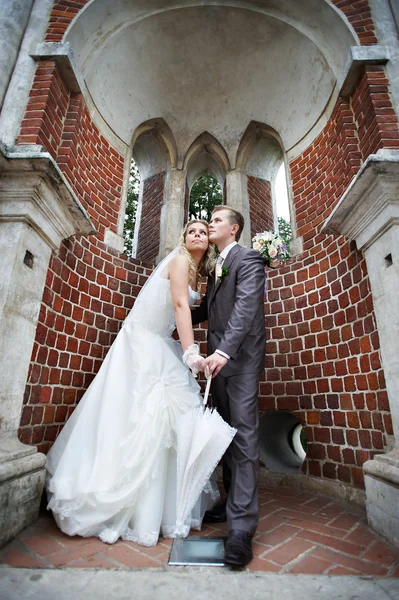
x=216, y=515
x=238, y=549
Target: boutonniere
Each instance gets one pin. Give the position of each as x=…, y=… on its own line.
x=223, y=273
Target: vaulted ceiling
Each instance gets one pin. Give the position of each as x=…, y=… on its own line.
x=213, y=66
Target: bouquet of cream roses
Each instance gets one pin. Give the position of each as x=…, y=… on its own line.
x=270, y=246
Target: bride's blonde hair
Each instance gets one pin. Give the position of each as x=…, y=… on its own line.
x=207, y=262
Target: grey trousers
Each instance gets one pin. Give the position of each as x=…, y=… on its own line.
x=236, y=399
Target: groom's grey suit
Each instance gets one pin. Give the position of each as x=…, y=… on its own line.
x=234, y=310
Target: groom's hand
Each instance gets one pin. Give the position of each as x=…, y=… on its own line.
x=215, y=362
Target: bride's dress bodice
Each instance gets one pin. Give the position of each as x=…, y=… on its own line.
x=155, y=311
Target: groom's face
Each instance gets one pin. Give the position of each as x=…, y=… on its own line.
x=221, y=231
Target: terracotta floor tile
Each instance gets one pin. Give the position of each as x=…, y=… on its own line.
x=310, y=565
x=271, y=522
x=278, y=535
x=16, y=555
x=163, y=558
x=344, y=521
x=357, y=564
x=299, y=532
x=130, y=558
x=153, y=551
x=259, y=549
x=319, y=503
x=323, y=529
x=288, y=551
x=267, y=510
x=361, y=535
x=260, y=564
x=331, y=542
x=297, y=514
x=75, y=541
x=58, y=559
x=40, y=543
x=92, y=562
x=381, y=553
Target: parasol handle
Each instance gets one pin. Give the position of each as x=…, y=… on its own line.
x=208, y=385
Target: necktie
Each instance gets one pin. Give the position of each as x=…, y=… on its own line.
x=219, y=263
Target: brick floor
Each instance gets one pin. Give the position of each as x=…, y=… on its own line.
x=299, y=532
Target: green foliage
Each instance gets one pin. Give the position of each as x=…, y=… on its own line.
x=205, y=194
x=304, y=440
x=131, y=208
x=285, y=232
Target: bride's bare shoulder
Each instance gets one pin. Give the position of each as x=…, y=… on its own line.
x=178, y=264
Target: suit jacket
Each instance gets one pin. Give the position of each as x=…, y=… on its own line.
x=234, y=309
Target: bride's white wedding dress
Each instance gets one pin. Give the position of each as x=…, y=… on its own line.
x=112, y=470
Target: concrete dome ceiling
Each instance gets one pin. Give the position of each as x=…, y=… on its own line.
x=212, y=67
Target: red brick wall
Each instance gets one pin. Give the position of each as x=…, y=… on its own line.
x=358, y=127
x=150, y=222
x=322, y=173
x=323, y=359
x=89, y=291
x=62, y=14
x=375, y=117
x=358, y=14
x=260, y=205
x=61, y=123
x=46, y=110
x=92, y=166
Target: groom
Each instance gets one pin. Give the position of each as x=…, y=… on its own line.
x=233, y=306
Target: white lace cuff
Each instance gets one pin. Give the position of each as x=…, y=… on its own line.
x=193, y=359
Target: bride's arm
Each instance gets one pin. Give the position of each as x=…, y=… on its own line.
x=178, y=275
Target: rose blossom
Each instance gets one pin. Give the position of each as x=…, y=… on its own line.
x=273, y=252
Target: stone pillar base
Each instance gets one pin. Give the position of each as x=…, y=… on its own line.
x=382, y=494
x=21, y=487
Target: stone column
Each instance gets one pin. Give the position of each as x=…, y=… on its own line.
x=13, y=20
x=369, y=214
x=18, y=40
x=172, y=215
x=37, y=211
x=237, y=198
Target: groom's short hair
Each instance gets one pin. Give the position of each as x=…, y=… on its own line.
x=235, y=218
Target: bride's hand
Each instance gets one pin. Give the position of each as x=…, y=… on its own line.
x=193, y=359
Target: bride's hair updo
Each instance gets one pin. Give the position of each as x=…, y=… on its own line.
x=207, y=263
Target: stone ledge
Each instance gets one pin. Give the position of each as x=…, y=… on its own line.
x=384, y=467
x=359, y=57
x=370, y=204
x=34, y=191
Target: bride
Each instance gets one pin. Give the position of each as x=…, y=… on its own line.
x=114, y=469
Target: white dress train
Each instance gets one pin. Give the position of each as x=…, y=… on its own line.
x=112, y=471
